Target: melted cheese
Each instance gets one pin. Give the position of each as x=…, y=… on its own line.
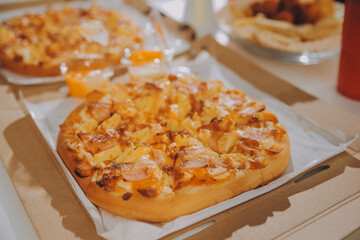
x=169, y=133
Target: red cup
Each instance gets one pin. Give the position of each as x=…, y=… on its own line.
x=349, y=69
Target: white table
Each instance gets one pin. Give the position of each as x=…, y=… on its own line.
x=14, y=222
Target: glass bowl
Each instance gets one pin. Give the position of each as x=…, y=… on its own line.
x=225, y=20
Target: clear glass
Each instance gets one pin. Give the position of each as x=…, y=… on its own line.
x=225, y=20
x=83, y=75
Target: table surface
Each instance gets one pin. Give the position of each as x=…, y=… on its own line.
x=318, y=80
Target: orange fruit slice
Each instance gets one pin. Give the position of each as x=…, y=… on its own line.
x=144, y=56
x=80, y=84
x=77, y=87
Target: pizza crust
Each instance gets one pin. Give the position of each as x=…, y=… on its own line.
x=69, y=156
x=277, y=163
x=48, y=69
x=44, y=70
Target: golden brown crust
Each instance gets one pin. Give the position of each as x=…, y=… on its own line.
x=183, y=200
x=48, y=69
x=44, y=70
x=277, y=163
x=136, y=207
x=69, y=156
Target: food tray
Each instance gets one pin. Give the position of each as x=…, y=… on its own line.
x=311, y=144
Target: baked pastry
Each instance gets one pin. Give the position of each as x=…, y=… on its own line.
x=36, y=44
x=288, y=25
x=155, y=151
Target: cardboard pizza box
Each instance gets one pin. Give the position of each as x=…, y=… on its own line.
x=322, y=203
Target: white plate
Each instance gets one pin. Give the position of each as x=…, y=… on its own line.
x=178, y=44
x=225, y=20
x=311, y=144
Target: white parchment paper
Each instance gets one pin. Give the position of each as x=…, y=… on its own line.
x=310, y=145
x=150, y=42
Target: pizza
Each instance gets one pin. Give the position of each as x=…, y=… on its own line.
x=158, y=150
x=36, y=44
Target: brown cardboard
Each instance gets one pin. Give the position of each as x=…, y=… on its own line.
x=309, y=208
x=50, y=203
x=294, y=206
